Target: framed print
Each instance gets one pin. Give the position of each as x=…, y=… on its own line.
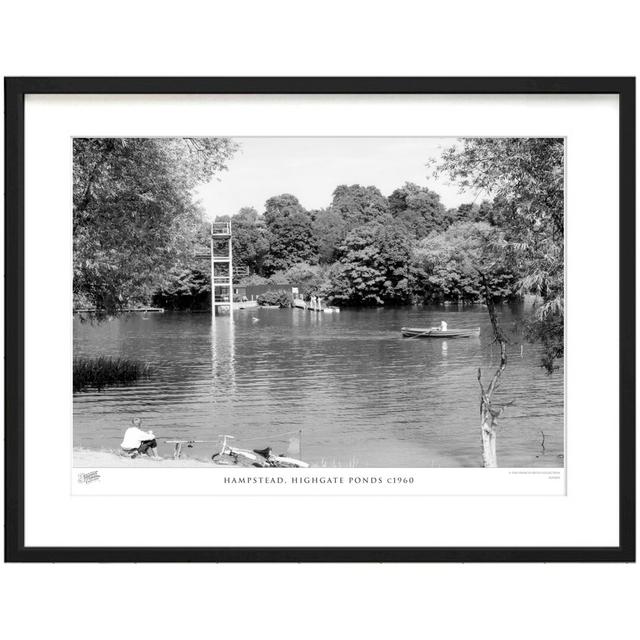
x=320, y=319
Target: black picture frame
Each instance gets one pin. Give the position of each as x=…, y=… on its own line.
x=15, y=91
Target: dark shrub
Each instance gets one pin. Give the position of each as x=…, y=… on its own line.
x=100, y=372
x=275, y=298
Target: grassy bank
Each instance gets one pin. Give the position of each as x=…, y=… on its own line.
x=103, y=371
x=91, y=459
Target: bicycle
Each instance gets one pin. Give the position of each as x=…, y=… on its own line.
x=257, y=458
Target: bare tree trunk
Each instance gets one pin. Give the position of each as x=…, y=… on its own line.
x=488, y=414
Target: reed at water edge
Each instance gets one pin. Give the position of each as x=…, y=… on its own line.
x=103, y=371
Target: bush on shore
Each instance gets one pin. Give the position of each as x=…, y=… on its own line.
x=273, y=298
x=103, y=371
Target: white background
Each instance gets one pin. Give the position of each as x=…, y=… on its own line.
x=587, y=516
x=331, y=38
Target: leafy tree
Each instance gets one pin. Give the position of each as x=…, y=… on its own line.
x=249, y=239
x=184, y=289
x=186, y=285
x=134, y=217
x=358, y=205
x=418, y=209
x=452, y=215
x=329, y=229
x=253, y=279
x=452, y=263
x=467, y=212
x=374, y=267
x=486, y=211
x=526, y=178
x=312, y=278
x=247, y=215
x=299, y=273
x=291, y=240
x=281, y=206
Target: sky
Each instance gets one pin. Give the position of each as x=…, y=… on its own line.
x=311, y=168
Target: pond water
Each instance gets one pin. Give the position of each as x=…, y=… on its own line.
x=363, y=395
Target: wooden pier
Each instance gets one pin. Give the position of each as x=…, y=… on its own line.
x=136, y=310
x=316, y=306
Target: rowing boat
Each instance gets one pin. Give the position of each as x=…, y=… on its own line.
x=435, y=332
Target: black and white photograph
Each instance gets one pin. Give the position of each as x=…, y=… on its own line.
x=320, y=320
x=318, y=302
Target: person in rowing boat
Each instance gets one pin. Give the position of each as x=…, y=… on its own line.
x=136, y=441
x=443, y=325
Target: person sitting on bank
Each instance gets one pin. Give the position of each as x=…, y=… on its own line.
x=443, y=325
x=136, y=441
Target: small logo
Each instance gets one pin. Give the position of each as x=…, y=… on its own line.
x=86, y=478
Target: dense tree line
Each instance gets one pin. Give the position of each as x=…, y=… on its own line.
x=364, y=248
x=138, y=231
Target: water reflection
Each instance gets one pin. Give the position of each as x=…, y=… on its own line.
x=362, y=394
x=223, y=354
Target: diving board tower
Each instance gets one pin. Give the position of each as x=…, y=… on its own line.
x=221, y=268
